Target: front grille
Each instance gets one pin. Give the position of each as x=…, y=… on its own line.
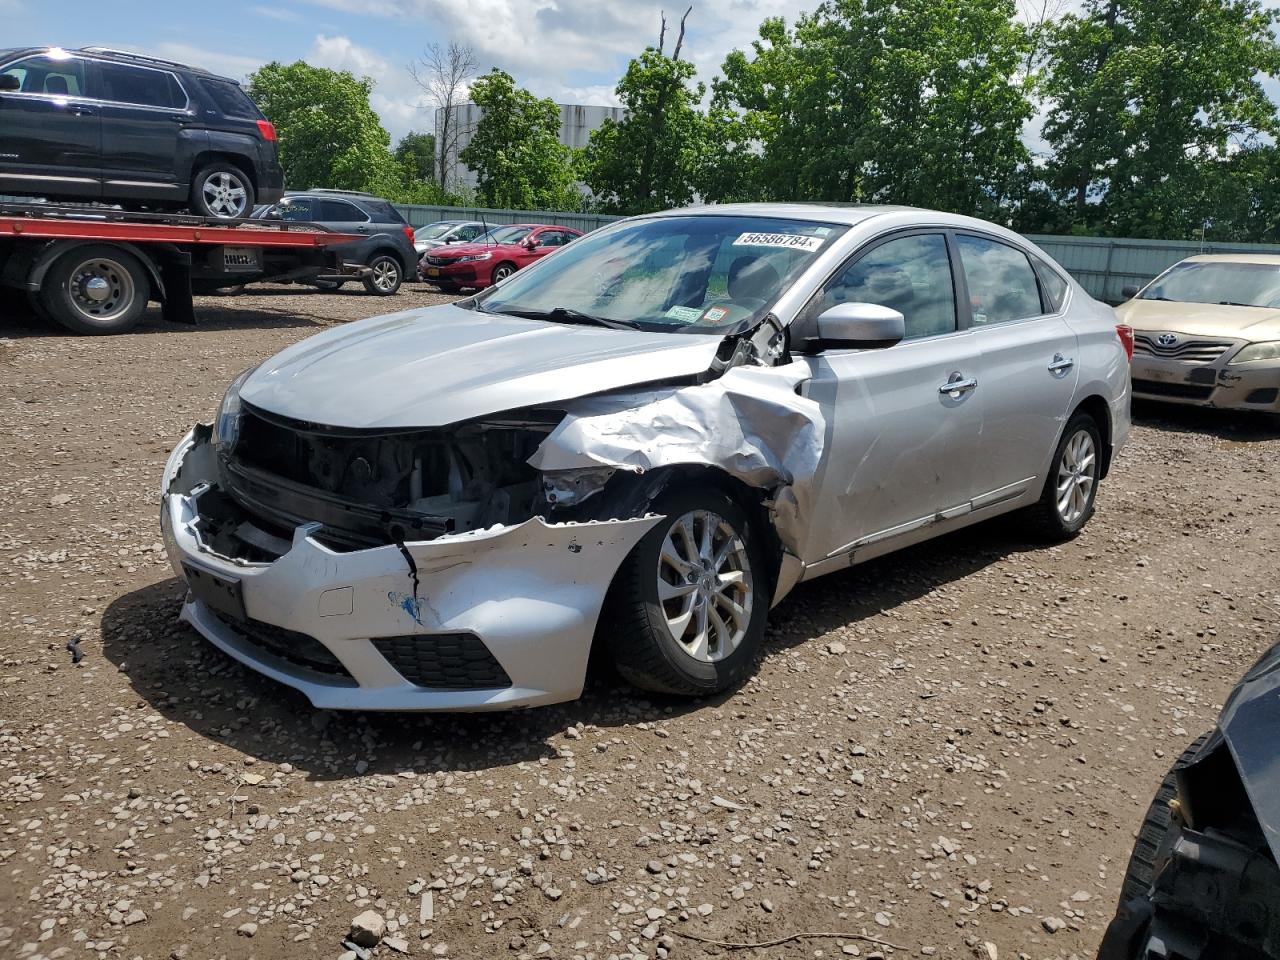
x=289, y=645
x=444, y=661
x=439, y=261
x=1182, y=391
x=1188, y=351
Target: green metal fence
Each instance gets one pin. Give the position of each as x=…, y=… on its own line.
x=1102, y=266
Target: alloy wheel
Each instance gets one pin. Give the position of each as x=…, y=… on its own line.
x=225, y=194
x=705, y=585
x=100, y=289
x=385, y=275
x=1077, y=474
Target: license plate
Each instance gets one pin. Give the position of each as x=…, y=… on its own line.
x=244, y=259
x=1203, y=375
x=221, y=593
x=433, y=271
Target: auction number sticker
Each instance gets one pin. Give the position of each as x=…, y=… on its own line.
x=787, y=241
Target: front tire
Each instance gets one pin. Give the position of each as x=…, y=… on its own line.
x=501, y=272
x=1071, y=489
x=96, y=289
x=686, y=611
x=222, y=191
x=385, y=275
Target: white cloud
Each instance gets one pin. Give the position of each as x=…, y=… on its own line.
x=283, y=14
x=233, y=65
x=396, y=98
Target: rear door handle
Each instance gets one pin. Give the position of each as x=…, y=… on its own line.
x=958, y=385
x=179, y=118
x=82, y=111
x=1061, y=363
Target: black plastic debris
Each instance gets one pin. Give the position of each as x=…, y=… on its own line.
x=73, y=645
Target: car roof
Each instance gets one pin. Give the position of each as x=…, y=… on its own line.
x=1268, y=259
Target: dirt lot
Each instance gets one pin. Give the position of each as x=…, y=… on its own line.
x=942, y=750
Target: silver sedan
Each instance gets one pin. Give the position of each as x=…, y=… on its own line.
x=643, y=441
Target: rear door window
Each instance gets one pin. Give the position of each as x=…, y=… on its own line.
x=50, y=76
x=230, y=100
x=1002, y=285
x=140, y=87
x=339, y=211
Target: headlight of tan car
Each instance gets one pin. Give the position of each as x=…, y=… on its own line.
x=1270, y=350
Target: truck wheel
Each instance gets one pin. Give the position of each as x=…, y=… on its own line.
x=222, y=191
x=686, y=611
x=385, y=275
x=96, y=289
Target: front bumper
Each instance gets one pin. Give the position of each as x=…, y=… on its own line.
x=1217, y=383
x=528, y=594
x=458, y=274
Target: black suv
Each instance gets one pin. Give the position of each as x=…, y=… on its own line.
x=105, y=125
x=387, y=250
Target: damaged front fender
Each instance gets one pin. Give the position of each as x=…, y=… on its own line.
x=751, y=423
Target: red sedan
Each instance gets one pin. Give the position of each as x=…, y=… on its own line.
x=494, y=256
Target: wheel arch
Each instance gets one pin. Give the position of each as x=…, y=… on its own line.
x=1096, y=406
x=44, y=262
x=205, y=157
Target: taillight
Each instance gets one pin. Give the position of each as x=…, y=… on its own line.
x=267, y=129
x=408, y=232
x=1125, y=333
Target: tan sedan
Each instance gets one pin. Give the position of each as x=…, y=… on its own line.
x=1207, y=332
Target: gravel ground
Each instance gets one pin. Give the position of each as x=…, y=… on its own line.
x=947, y=750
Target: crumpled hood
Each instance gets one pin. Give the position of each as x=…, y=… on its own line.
x=1250, y=722
x=1201, y=319
x=441, y=365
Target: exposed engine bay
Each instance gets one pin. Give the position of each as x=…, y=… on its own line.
x=373, y=488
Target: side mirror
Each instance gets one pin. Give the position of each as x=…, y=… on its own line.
x=1129, y=292
x=862, y=326
x=9, y=82
x=530, y=244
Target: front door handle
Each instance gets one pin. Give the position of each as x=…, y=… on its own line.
x=1061, y=364
x=958, y=385
x=82, y=111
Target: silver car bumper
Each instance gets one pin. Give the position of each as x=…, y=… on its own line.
x=1204, y=376
x=500, y=618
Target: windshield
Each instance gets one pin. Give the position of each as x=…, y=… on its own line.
x=695, y=274
x=504, y=235
x=434, y=230
x=1242, y=284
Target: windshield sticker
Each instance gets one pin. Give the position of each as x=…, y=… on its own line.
x=684, y=314
x=788, y=241
x=714, y=314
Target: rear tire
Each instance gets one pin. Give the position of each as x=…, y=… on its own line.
x=385, y=275
x=1071, y=488
x=675, y=620
x=96, y=289
x=222, y=191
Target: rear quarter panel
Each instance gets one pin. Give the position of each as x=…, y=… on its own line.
x=1102, y=363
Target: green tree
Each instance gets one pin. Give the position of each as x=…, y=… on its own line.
x=516, y=150
x=1148, y=99
x=416, y=152
x=905, y=101
x=654, y=157
x=329, y=135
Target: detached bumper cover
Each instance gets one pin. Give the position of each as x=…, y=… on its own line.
x=350, y=631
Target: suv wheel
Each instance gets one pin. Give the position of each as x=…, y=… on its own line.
x=385, y=275
x=96, y=289
x=222, y=191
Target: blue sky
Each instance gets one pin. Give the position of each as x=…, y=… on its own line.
x=572, y=50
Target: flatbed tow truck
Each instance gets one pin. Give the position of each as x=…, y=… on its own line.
x=94, y=269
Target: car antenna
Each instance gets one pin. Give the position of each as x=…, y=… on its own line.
x=488, y=239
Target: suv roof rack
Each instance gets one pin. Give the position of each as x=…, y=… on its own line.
x=345, y=193
x=131, y=55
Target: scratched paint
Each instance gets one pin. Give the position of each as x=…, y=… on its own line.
x=410, y=604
